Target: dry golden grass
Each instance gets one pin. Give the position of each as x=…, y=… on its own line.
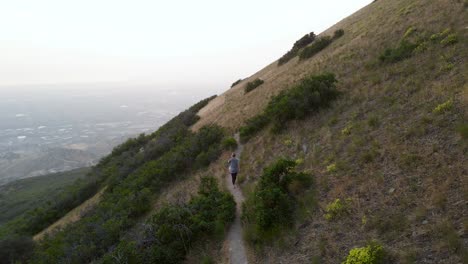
x=405, y=174
x=72, y=216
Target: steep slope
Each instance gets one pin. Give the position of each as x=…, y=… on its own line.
x=368, y=32
x=383, y=162
x=393, y=146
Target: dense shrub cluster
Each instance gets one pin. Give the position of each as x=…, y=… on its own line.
x=236, y=83
x=120, y=206
x=253, y=84
x=169, y=233
x=298, y=45
x=305, y=51
x=318, y=45
x=270, y=207
x=308, y=96
x=370, y=254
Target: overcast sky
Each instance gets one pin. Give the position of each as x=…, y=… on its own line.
x=211, y=42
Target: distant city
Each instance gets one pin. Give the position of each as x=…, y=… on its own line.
x=56, y=129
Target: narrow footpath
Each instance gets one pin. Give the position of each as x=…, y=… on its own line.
x=237, y=254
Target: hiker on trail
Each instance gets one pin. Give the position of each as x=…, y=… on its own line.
x=233, y=168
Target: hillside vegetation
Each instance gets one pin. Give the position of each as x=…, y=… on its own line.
x=22, y=195
x=387, y=157
x=354, y=151
x=131, y=178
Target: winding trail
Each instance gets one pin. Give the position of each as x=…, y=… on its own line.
x=237, y=254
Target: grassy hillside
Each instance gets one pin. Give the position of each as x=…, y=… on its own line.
x=392, y=148
x=355, y=148
x=20, y=196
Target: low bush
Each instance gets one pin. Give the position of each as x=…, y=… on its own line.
x=403, y=51
x=370, y=254
x=441, y=35
x=449, y=40
x=317, y=46
x=270, y=208
x=253, y=84
x=229, y=143
x=337, y=209
x=298, y=45
x=252, y=126
x=332, y=168
x=410, y=31
x=305, y=98
x=444, y=107
x=338, y=34
x=236, y=83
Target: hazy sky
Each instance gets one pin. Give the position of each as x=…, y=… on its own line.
x=161, y=42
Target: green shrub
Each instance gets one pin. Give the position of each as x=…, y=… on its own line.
x=305, y=98
x=439, y=36
x=403, y=51
x=370, y=254
x=444, y=107
x=229, y=143
x=338, y=34
x=346, y=131
x=301, y=43
x=449, y=40
x=332, y=168
x=252, y=126
x=423, y=46
x=316, y=46
x=253, y=84
x=270, y=207
x=236, y=83
x=170, y=233
x=409, y=32
x=337, y=209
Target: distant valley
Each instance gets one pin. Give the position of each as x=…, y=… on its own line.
x=63, y=128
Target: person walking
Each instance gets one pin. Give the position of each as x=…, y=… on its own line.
x=233, y=168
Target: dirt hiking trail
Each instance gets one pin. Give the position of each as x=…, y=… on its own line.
x=237, y=254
